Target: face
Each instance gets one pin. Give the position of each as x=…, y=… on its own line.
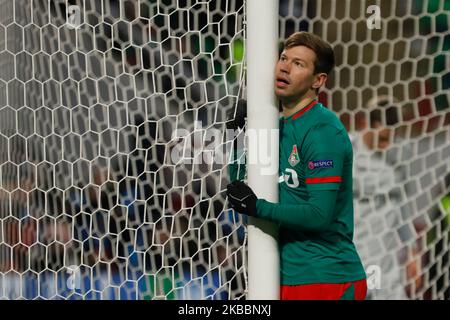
x=294, y=74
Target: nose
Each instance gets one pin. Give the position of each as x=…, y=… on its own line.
x=284, y=66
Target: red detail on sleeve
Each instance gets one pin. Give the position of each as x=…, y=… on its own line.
x=323, y=180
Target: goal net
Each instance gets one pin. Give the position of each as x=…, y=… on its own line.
x=113, y=151
x=96, y=202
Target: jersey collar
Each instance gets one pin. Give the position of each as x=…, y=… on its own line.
x=302, y=111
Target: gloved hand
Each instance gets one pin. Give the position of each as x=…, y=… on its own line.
x=235, y=121
x=242, y=198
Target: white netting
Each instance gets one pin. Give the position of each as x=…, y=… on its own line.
x=92, y=205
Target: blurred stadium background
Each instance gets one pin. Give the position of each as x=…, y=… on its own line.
x=92, y=205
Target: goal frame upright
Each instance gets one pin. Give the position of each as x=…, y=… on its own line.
x=262, y=117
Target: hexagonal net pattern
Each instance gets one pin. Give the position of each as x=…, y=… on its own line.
x=390, y=88
x=95, y=98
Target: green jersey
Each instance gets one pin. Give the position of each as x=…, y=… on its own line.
x=315, y=209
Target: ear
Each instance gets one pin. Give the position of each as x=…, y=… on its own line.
x=319, y=80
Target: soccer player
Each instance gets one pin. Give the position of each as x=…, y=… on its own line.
x=318, y=258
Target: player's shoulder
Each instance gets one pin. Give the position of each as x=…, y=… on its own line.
x=325, y=120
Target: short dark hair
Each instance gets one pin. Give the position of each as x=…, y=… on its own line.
x=324, y=52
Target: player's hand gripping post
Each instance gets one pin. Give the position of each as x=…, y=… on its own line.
x=242, y=198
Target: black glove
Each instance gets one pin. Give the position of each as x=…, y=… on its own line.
x=242, y=198
x=237, y=121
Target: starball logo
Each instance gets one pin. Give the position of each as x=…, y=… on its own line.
x=320, y=164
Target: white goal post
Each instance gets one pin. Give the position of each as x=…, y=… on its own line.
x=262, y=53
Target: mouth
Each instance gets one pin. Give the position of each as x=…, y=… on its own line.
x=282, y=82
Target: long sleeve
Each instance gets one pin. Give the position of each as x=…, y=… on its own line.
x=315, y=215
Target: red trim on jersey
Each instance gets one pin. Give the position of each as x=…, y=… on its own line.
x=302, y=111
x=323, y=180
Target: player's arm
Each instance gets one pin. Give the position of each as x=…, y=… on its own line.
x=236, y=121
x=313, y=216
x=322, y=181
